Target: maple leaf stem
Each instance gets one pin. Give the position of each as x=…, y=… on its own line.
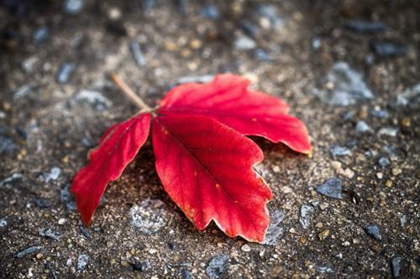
x=130, y=93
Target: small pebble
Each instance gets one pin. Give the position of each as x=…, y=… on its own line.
x=185, y=274
x=324, y=234
x=369, y=59
x=210, y=11
x=275, y=228
x=195, y=44
x=23, y=91
x=137, y=53
x=262, y=55
x=114, y=13
x=53, y=175
x=346, y=244
x=3, y=223
x=384, y=162
x=94, y=98
x=396, y=171
x=52, y=274
x=28, y=251
x=73, y=7
x=217, y=266
x=344, y=86
x=149, y=217
x=361, y=26
x=374, y=232
x=29, y=64
x=347, y=172
x=49, y=233
x=249, y=28
x=389, y=49
x=316, y=43
x=85, y=232
x=82, y=262
x=13, y=178
x=362, y=127
x=244, y=43
x=306, y=212
x=388, y=131
x=141, y=266
x=62, y=221
x=7, y=145
x=42, y=203
x=65, y=72
x=378, y=113
x=349, y=115
x=324, y=269
x=271, y=13
x=396, y=263
x=323, y=205
x=332, y=188
x=67, y=198
x=246, y=248
x=340, y=151
x=403, y=220
x=410, y=96
x=406, y=122
x=197, y=79
x=41, y=34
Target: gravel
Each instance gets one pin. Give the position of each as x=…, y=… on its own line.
x=210, y=11
x=85, y=232
x=306, y=214
x=299, y=48
x=73, y=7
x=141, y=266
x=245, y=43
x=275, y=229
x=369, y=27
x=337, y=151
x=41, y=34
x=65, y=72
x=217, y=266
x=137, y=53
x=49, y=233
x=409, y=96
x=331, y=188
x=388, y=131
x=82, y=262
x=363, y=127
x=374, y=232
x=3, y=223
x=28, y=251
x=396, y=265
x=389, y=49
x=149, y=217
x=384, y=162
x=344, y=86
x=93, y=98
x=54, y=174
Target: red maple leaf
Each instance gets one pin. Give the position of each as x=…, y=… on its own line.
x=203, y=158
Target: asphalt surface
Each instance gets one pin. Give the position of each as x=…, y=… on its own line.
x=348, y=69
